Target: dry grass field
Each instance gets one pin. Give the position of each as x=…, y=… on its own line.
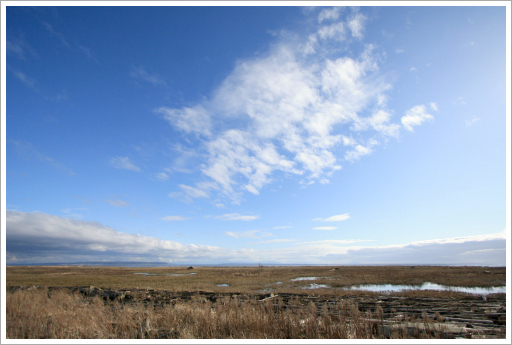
x=176, y=302
x=251, y=279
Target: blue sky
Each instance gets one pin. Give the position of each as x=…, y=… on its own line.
x=286, y=135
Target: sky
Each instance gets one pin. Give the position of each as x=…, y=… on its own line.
x=267, y=134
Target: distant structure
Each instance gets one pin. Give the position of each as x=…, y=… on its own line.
x=190, y=268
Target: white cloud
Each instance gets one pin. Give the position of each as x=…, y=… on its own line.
x=338, y=218
x=236, y=216
x=39, y=236
x=482, y=251
x=325, y=228
x=189, y=193
x=462, y=239
x=282, y=227
x=218, y=204
x=123, y=163
x=357, y=153
x=277, y=240
x=348, y=141
x=356, y=24
x=335, y=31
x=189, y=120
x=173, y=218
x=194, y=192
x=329, y=14
x=249, y=233
x=399, y=51
x=487, y=250
x=415, y=117
x=117, y=202
x=162, y=176
x=380, y=121
x=289, y=110
x=433, y=106
x=238, y=234
x=336, y=241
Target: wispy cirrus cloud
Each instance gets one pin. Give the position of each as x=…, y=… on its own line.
x=28, y=81
x=57, y=34
x=78, y=48
x=472, y=121
x=188, y=193
x=173, y=218
x=236, y=216
x=238, y=234
x=117, y=202
x=335, y=241
x=123, y=163
x=88, y=52
x=162, y=176
x=290, y=109
x=249, y=234
x=20, y=48
x=140, y=73
x=27, y=150
x=277, y=240
x=337, y=218
x=325, y=228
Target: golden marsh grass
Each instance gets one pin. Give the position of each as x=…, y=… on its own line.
x=65, y=302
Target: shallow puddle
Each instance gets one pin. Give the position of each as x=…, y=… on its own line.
x=316, y=286
x=222, y=284
x=429, y=286
x=146, y=274
x=304, y=278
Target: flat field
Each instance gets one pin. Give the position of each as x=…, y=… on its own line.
x=250, y=303
x=251, y=279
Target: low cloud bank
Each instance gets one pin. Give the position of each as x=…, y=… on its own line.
x=39, y=236
x=35, y=237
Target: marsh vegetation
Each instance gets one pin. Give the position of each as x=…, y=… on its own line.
x=250, y=302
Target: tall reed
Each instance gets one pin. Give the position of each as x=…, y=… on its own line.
x=60, y=314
